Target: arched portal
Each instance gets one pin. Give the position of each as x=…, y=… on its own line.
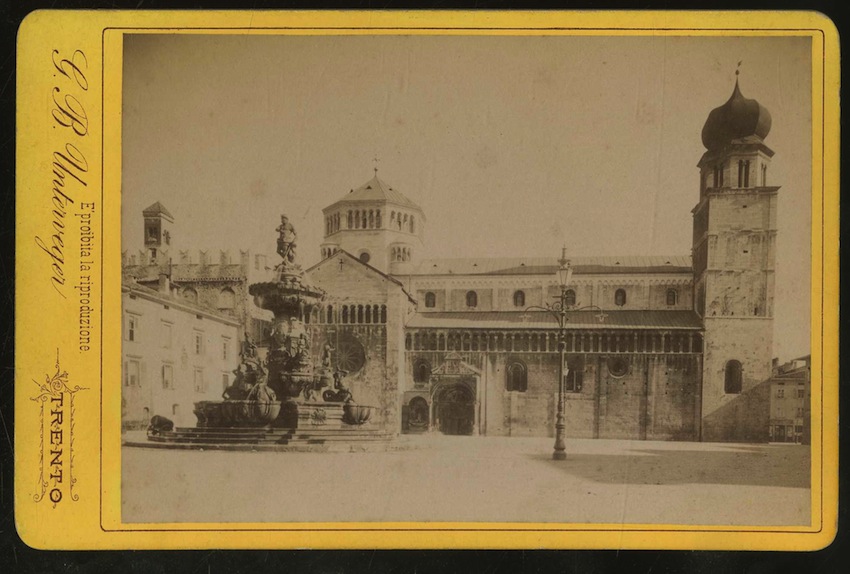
x=454, y=409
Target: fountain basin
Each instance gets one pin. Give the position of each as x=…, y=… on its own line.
x=233, y=413
x=354, y=414
x=278, y=296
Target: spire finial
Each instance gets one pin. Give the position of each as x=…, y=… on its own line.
x=738, y=69
x=376, y=160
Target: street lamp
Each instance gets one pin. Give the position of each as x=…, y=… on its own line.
x=558, y=309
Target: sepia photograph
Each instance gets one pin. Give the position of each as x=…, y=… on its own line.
x=384, y=278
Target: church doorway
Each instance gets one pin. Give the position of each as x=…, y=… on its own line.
x=454, y=410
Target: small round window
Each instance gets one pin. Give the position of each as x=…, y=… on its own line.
x=365, y=257
x=618, y=366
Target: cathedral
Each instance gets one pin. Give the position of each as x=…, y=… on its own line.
x=659, y=347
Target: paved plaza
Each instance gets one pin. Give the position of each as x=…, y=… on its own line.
x=476, y=479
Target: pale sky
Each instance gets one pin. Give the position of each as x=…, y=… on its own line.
x=511, y=145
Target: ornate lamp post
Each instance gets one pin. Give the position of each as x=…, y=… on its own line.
x=558, y=309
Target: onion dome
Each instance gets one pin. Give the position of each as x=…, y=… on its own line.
x=738, y=118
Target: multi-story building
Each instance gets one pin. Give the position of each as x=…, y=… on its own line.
x=175, y=353
x=791, y=401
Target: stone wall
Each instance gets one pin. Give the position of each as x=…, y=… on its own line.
x=740, y=416
x=657, y=398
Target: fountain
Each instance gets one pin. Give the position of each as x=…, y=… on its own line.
x=291, y=372
x=282, y=397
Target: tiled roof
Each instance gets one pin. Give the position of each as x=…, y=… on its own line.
x=157, y=209
x=377, y=190
x=661, y=319
x=549, y=265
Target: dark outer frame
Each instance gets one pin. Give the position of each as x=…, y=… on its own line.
x=16, y=556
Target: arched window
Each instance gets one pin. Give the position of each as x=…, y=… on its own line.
x=672, y=297
x=519, y=299
x=430, y=300
x=412, y=224
x=345, y=314
x=570, y=298
x=226, y=298
x=620, y=297
x=330, y=314
x=383, y=313
x=422, y=372
x=378, y=219
x=471, y=299
x=743, y=173
x=517, y=377
x=733, y=379
x=350, y=220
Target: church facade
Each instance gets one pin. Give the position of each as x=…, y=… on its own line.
x=663, y=347
x=674, y=347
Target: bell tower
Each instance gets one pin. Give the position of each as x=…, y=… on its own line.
x=734, y=249
x=157, y=230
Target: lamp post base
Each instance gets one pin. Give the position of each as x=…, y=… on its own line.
x=559, y=455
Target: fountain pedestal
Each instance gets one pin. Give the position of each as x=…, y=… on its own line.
x=310, y=415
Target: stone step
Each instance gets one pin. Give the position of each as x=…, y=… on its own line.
x=216, y=436
x=269, y=439
x=273, y=436
x=224, y=432
x=233, y=430
x=331, y=447
x=192, y=439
